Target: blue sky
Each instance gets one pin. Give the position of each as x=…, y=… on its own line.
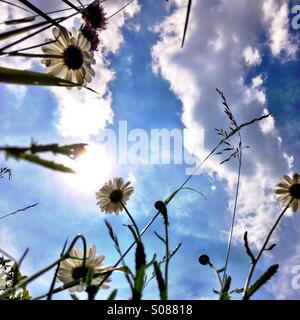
x=144, y=77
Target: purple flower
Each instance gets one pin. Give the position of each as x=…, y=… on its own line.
x=91, y=35
x=94, y=16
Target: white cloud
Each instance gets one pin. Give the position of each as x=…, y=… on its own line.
x=193, y=73
x=276, y=17
x=252, y=56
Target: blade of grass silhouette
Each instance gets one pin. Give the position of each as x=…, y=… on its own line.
x=23, y=257
x=18, y=211
x=50, y=293
x=126, y=5
x=34, y=55
x=70, y=4
x=36, y=32
x=32, y=18
x=186, y=22
x=16, y=32
x=15, y=76
x=41, y=13
x=18, y=21
x=30, y=48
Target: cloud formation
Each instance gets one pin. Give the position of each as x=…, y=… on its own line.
x=223, y=43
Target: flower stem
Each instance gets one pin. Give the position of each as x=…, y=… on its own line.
x=131, y=219
x=167, y=257
x=253, y=265
x=234, y=210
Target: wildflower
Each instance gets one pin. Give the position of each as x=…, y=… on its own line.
x=94, y=16
x=73, y=269
x=92, y=36
x=113, y=195
x=76, y=57
x=2, y=278
x=288, y=189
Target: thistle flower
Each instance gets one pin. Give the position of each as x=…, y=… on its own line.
x=94, y=16
x=288, y=189
x=113, y=195
x=91, y=35
x=76, y=57
x=73, y=269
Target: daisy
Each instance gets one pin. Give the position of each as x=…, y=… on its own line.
x=76, y=56
x=72, y=269
x=288, y=189
x=113, y=195
x=94, y=15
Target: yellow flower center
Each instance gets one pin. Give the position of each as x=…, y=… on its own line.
x=295, y=191
x=73, y=58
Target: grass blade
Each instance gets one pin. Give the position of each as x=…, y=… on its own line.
x=186, y=21
x=42, y=162
x=24, y=77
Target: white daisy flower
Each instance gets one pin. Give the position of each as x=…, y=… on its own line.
x=113, y=194
x=76, y=56
x=72, y=269
x=288, y=189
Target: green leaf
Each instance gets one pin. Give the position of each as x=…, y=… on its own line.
x=248, y=250
x=224, y=293
x=140, y=257
x=160, y=281
x=19, y=21
x=271, y=247
x=24, y=77
x=42, y=162
x=140, y=268
x=160, y=237
x=162, y=208
x=261, y=281
x=113, y=295
x=74, y=297
x=170, y=198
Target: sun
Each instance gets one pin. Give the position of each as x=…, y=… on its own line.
x=92, y=168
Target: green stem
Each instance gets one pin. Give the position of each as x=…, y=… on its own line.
x=234, y=210
x=167, y=258
x=253, y=265
x=217, y=275
x=131, y=219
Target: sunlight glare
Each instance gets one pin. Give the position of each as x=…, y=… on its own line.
x=92, y=168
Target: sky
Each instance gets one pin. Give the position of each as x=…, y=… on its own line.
x=247, y=49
